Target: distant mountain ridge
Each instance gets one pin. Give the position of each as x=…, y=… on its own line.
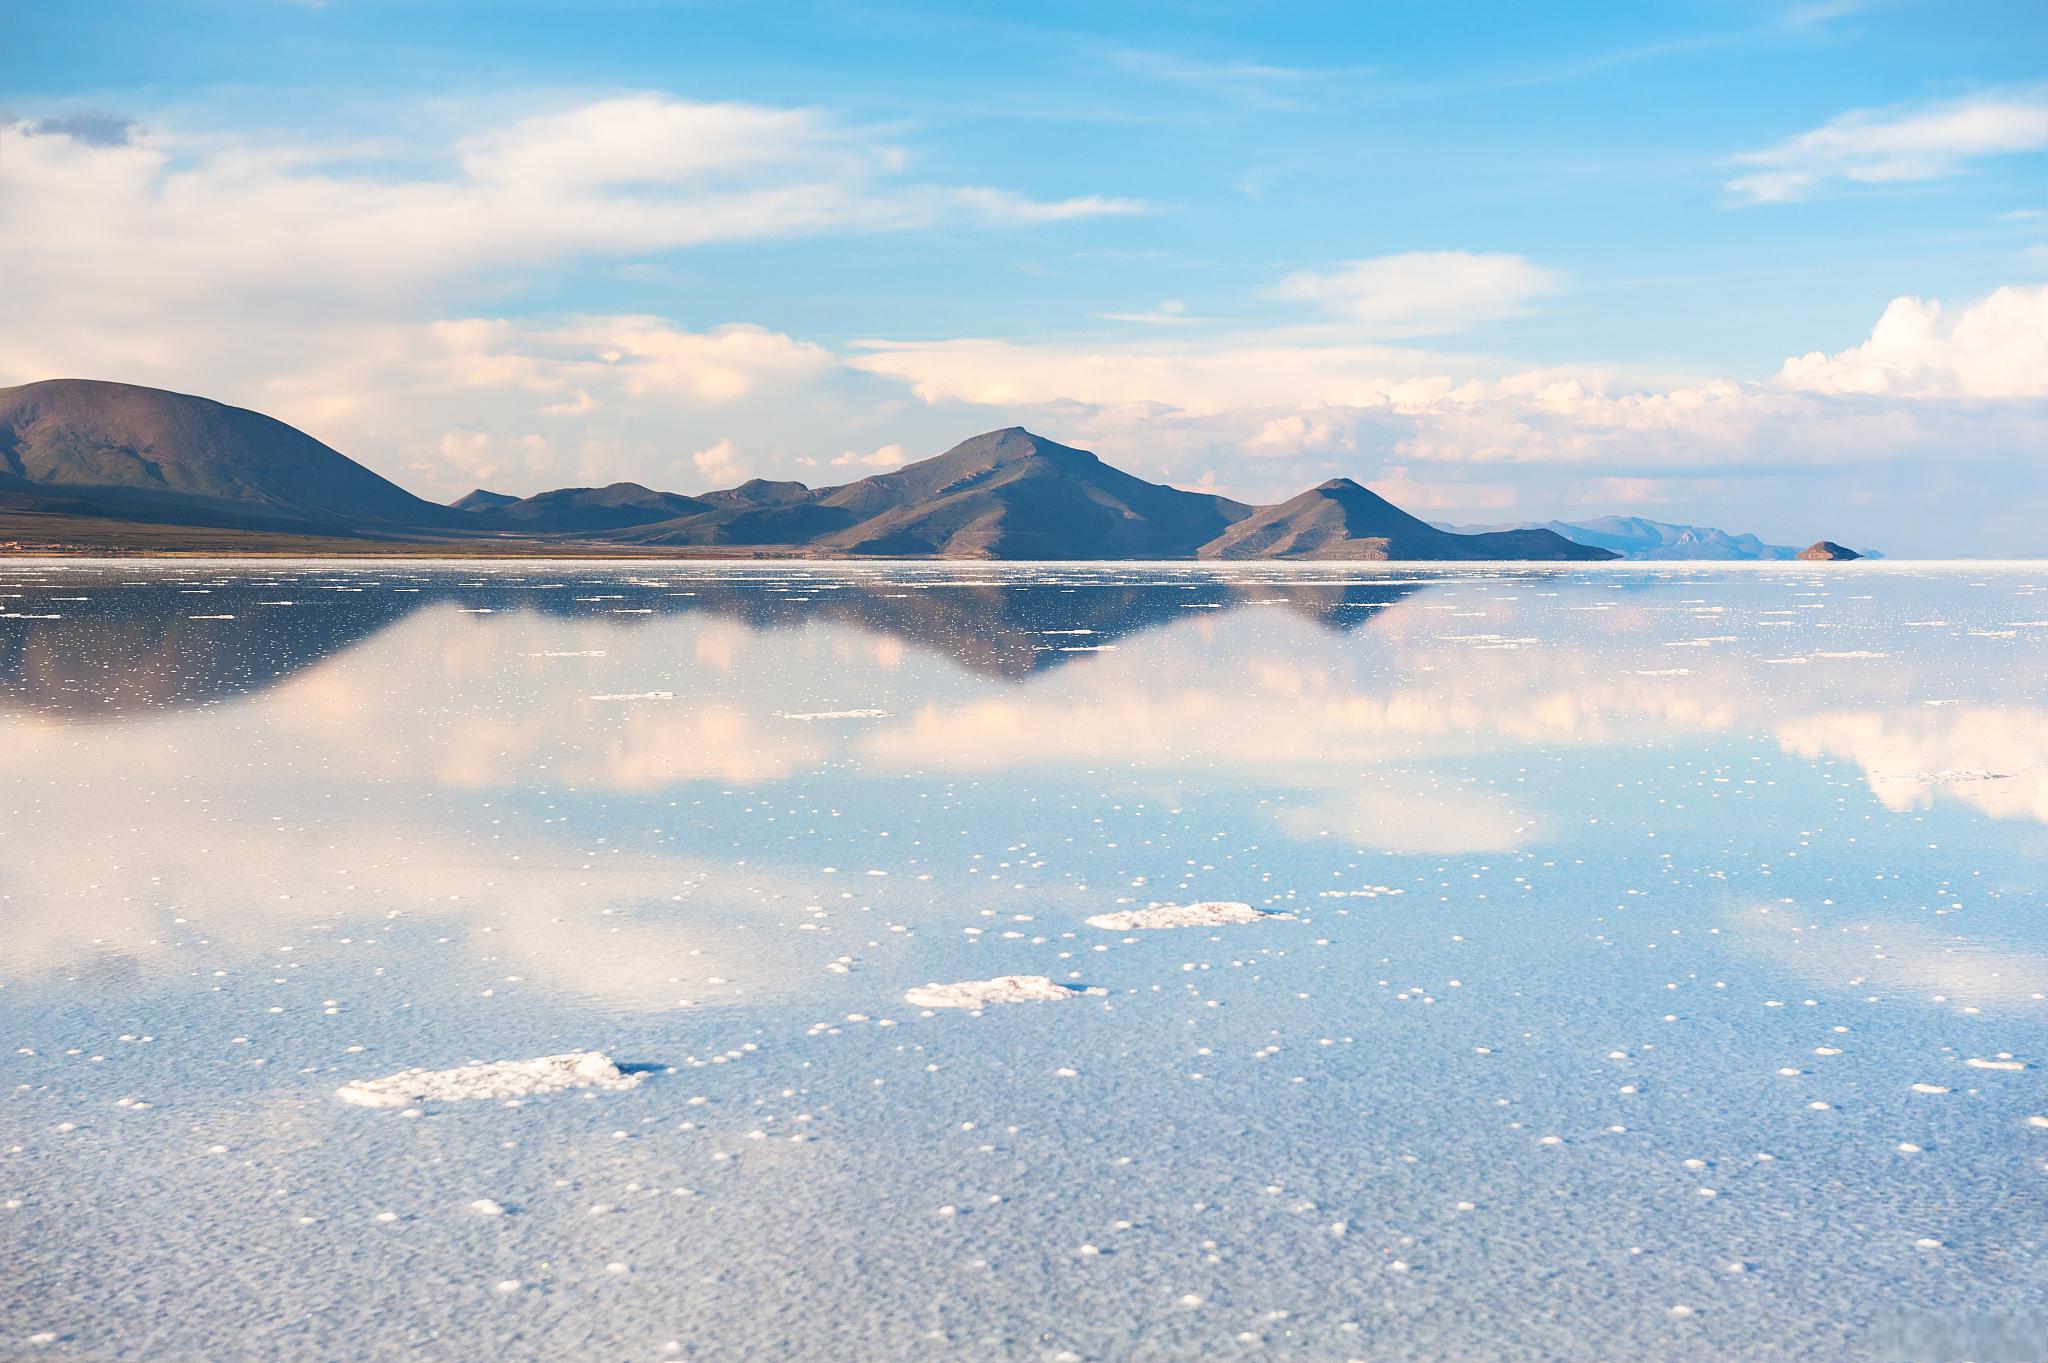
x=146, y=458
x=1636, y=537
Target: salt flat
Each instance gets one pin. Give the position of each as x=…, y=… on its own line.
x=1543, y=1002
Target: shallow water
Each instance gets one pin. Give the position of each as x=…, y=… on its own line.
x=1625, y=911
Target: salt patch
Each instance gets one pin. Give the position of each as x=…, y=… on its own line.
x=1208, y=914
x=836, y=714
x=636, y=695
x=2002, y=1064
x=1001, y=989
x=489, y=1079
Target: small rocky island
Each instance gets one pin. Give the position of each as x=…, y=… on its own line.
x=1827, y=551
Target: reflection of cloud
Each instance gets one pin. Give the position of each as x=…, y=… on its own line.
x=1990, y=757
x=549, y=731
x=1291, y=719
x=548, y=912
x=143, y=849
x=1895, y=956
x=1411, y=821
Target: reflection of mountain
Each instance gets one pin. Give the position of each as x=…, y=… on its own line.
x=127, y=649
x=136, y=648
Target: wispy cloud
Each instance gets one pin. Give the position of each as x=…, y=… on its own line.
x=1424, y=293
x=1251, y=83
x=1896, y=145
x=158, y=220
x=1171, y=312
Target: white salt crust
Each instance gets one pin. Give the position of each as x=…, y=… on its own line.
x=489, y=1079
x=1001, y=989
x=1208, y=914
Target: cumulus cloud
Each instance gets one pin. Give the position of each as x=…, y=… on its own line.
x=1424, y=293
x=1893, y=146
x=1994, y=348
x=1265, y=415
x=1279, y=397
x=720, y=464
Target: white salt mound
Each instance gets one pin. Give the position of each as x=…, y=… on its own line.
x=489, y=1079
x=1001, y=989
x=1209, y=914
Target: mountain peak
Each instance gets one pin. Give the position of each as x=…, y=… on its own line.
x=1337, y=485
x=1015, y=442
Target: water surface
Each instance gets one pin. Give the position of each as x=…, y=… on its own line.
x=1663, y=974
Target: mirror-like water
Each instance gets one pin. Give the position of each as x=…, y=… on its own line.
x=1646, y=964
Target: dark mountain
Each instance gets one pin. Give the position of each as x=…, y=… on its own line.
x=1827, y=551
x=780, y=524
x=588, y=510
x=1341, y=520
x=483, y=500
x=761, y=492
x=1010, y=494
x=82, y=447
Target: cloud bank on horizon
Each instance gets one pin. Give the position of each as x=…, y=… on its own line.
x=1570, y=270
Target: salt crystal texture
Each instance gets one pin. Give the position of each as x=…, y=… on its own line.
x=1209, y=914
x=489, y=1079
x=1001, y=989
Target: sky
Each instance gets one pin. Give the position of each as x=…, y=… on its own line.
x=1776, y=267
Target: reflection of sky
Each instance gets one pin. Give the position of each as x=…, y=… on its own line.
x=427, y=821
x=1369, y=734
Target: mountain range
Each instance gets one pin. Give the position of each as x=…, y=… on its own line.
x=114, y=464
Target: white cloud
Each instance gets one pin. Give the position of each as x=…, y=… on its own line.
x=1894, y=146
x=1171, y=312
x=1263, y=416
x=151, y=253
x=616, y=177
x=720, y=464
x=1318, y=431
x=640, y=356
x=887, y=457
x=1205, y=377
x=1424, y=293
x=1286, y=397
x=1995, y=348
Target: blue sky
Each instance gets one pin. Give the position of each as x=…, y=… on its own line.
x=1496, y=260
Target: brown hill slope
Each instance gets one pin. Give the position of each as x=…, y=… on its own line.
x=84, y=447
